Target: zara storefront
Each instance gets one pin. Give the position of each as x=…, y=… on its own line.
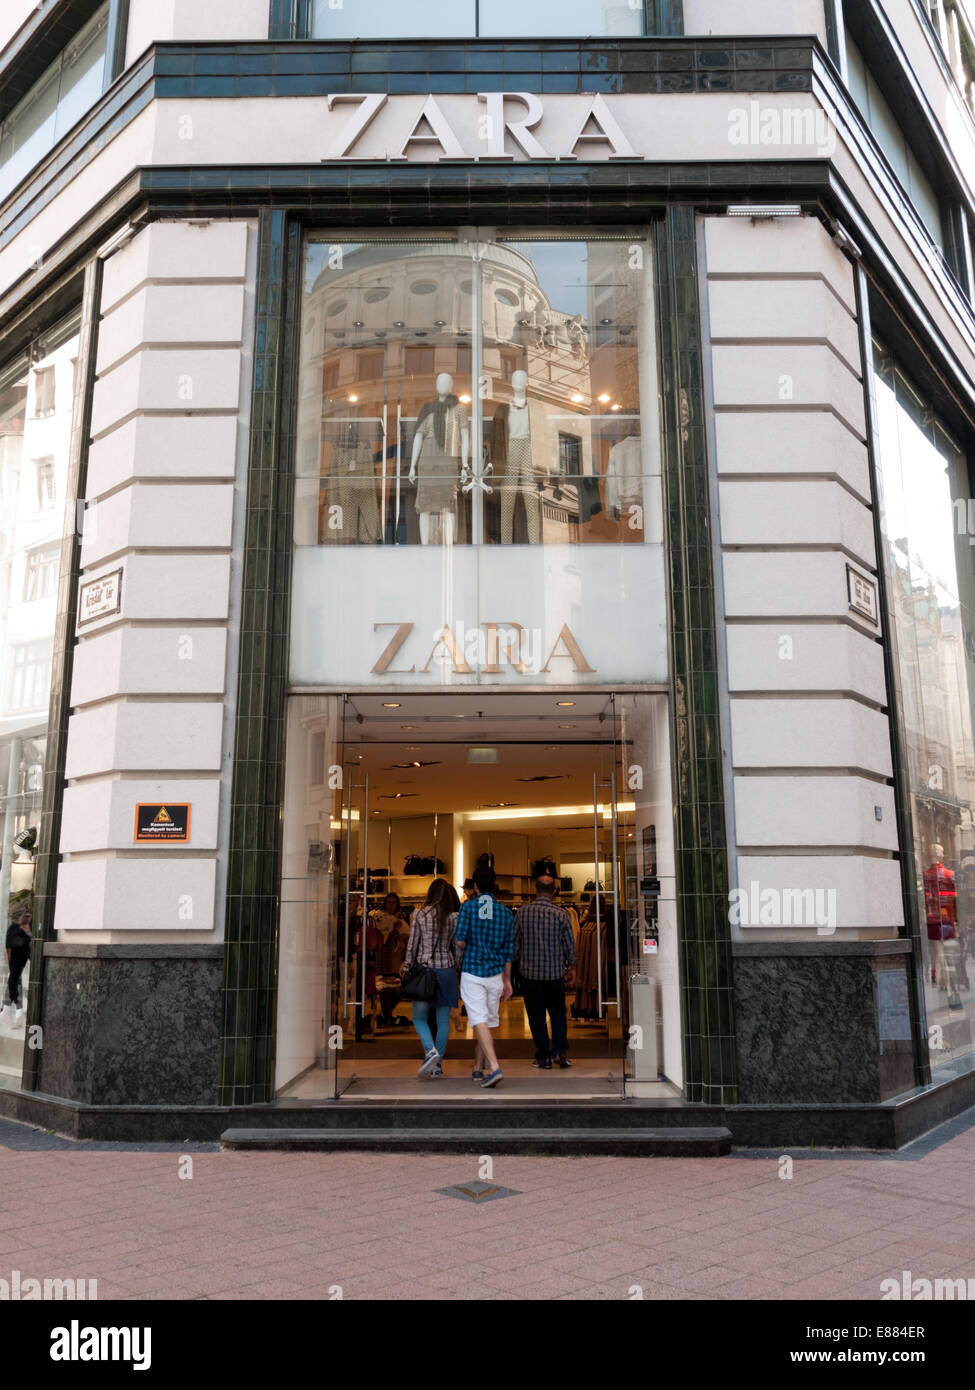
x=460, y=473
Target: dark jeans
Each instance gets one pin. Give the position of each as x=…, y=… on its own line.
x=541, y=997
x=18, y=960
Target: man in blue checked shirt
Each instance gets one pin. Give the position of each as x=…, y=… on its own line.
x=484, y=943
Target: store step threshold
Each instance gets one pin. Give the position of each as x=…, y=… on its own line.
x=645, y=1142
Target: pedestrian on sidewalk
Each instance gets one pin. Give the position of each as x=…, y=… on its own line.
x=17, y=945
x=432, y=943
x=546, y=956
x=484, y=943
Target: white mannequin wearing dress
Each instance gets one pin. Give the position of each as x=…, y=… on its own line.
x=445, y=386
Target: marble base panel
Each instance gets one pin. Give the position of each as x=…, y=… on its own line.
x=132, y=1026
x=822, y=1023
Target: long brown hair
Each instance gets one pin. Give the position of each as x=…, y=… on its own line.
x=442, y=897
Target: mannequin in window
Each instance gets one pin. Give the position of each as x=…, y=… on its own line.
x=354, y=490
x=441, y=448
x=514, y=436
x=941, y=911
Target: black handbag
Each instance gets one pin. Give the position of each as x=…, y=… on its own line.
x=419, y=984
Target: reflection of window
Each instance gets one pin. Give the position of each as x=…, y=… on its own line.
x=952, y=31
x=336, y=307
x=43, y=392
x=372, y=366
x=423, y=287
x=30, y=676
x=464, y=360
x=44, y=470
x=570, y=455
x=419, y=361
x=41, y=573
x=330, y=376
x=56, y=102
x=510, y=363
x=375, y=296
x=506, y=297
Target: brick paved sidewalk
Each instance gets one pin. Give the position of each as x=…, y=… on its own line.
x=294, y=1226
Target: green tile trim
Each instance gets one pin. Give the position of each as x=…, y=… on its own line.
x=254, y=868
x=701, y=845
x=62, y=664
x=910, y=871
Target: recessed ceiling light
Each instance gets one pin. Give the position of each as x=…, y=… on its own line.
x=616, y=407
x=406, y=727
x=390, y=704
x=566, y=726
x=566, y=704
x=577, y=399
x=465, y=400
x=605, y=398
x=353, y=399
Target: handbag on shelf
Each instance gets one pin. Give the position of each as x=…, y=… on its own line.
x=419, y=984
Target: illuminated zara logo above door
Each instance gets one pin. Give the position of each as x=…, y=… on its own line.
x=488, y=649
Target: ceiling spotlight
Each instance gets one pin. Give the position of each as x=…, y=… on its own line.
x=578, y=398
x=606, y=322
x=353, y=398
x=357, y=323
x=616, y=407
x=440, y=323
x=465, y=400
x=605, y=398
x=398, y=323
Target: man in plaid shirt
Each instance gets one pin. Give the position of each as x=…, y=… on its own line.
x=546, y=956
x=483, y=944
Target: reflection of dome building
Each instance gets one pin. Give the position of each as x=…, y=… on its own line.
x=382, y=322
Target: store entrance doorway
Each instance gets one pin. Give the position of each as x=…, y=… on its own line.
x=388, y=795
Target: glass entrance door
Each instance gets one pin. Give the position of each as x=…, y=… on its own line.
x=384, y=798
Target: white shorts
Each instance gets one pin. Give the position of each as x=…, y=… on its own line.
x=481, y=996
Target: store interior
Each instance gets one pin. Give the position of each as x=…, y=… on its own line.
x=429, y=784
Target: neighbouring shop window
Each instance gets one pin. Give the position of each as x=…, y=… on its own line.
x=951, y=26
x=451, y=19
x=497, y=400
x=72, y=84
x=929, y=529
x=34, y=457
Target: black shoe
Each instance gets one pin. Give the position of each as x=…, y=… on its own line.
x=563, y=1061
x=543, y=1063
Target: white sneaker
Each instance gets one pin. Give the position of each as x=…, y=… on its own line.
x=430, y=1061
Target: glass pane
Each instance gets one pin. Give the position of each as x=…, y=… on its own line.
x=391, y=19
x=28, y=132
x=567, y=330
x=71, y=85
x=929, y=527
x=552, y=18
x=82, y=74
x=30, y=536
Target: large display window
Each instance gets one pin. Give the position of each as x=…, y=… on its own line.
x=478, y=423
x=928, y=529
x=36, y=411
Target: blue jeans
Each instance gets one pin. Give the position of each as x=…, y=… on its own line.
x=421, y=1015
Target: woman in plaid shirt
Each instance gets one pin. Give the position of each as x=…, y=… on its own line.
x=432, y=943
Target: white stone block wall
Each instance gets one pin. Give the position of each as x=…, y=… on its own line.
x=813, y=808
x=153, y=686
